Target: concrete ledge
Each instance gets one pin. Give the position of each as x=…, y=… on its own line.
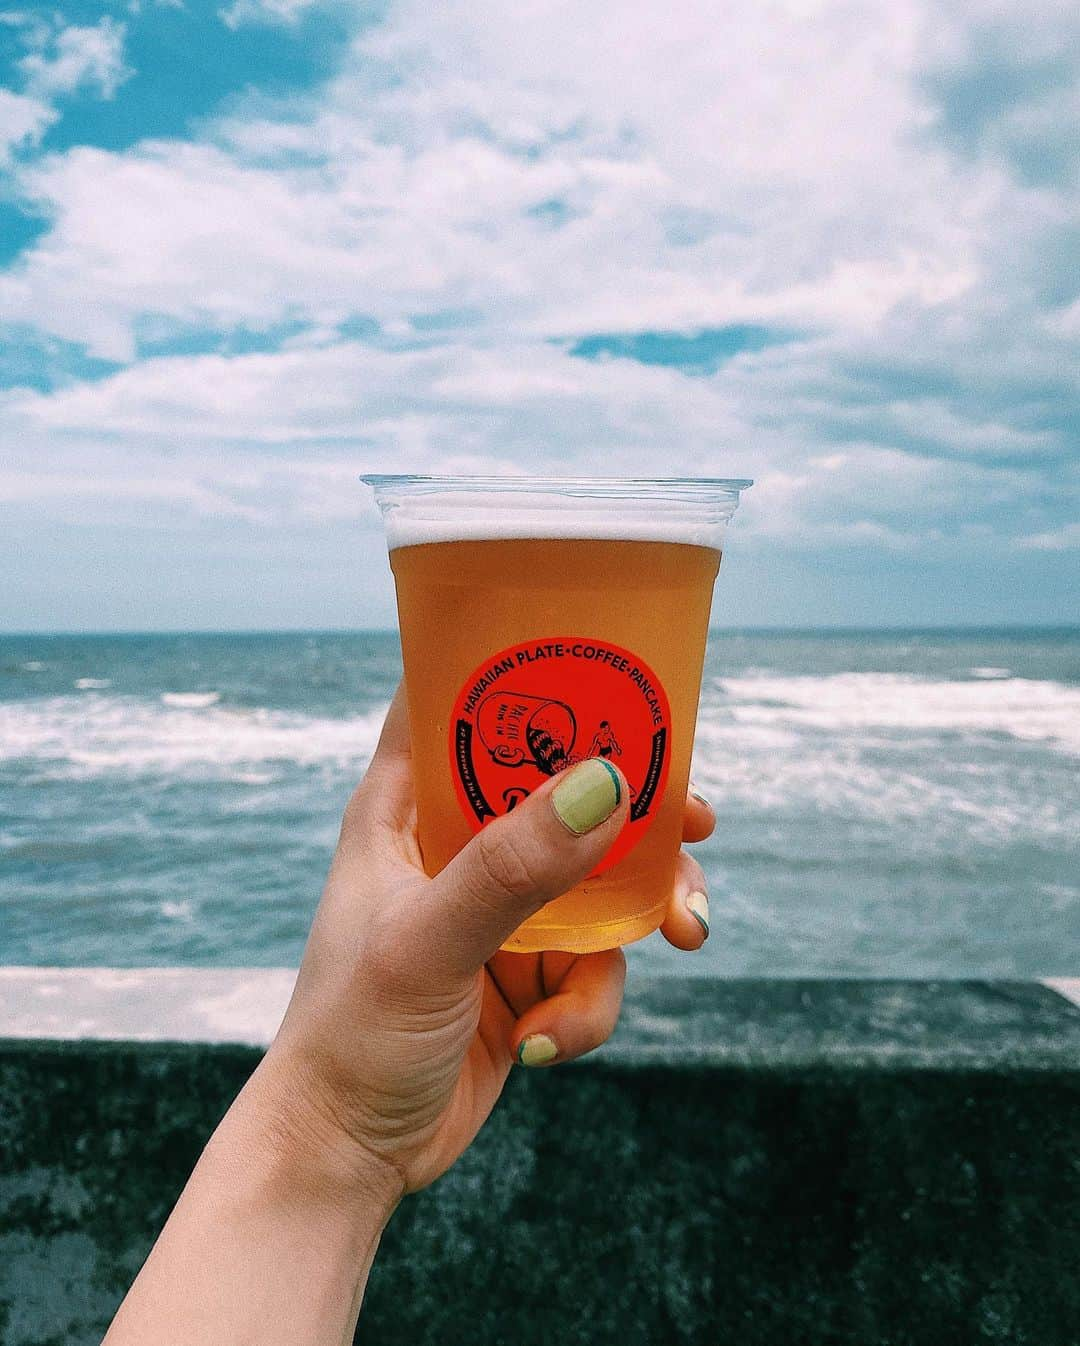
x=1069, y=987
x=735, y=1020
x=145, y=1004
x=873, y=1164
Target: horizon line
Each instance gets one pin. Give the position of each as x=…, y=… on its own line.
x=779, y=629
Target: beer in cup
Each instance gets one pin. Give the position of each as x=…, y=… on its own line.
x=544, y=622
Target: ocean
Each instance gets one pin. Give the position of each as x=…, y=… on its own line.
x=895, y=804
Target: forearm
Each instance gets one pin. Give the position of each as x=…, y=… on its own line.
x=271, y=1241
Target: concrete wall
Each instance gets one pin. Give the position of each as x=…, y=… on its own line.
x=880, y=1164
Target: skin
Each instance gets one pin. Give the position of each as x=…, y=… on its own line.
x=404, y=1025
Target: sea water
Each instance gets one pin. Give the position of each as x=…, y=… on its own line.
x=888, y=804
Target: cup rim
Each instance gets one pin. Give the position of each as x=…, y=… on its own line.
x=493, y=481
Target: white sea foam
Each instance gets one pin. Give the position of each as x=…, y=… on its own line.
x=939, y=759
x=94, y=734
x=895, y=704
x=991, y=672
x=890, y=750
x=190, y=700
x=178, y=911
x=92, y=684
x=843, y=786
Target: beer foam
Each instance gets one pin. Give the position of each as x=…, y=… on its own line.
x=417, y=511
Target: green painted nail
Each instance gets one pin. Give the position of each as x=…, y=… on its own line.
x=698, y=905
x=586, y=795
x=537, y=1050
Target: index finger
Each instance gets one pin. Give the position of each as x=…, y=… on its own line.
x=386, y=794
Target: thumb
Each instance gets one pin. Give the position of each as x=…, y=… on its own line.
x=550, y=842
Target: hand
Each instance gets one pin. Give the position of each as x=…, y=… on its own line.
x=403, y=1026
x=407, y=1016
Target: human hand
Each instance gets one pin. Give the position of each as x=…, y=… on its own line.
x=407, y=1016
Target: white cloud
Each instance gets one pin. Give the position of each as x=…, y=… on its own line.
x=1059, y=539
x=282, y=437
x=392, y=196
x=77, y=57
x=23, y=120
x=481, y=183
x=264, y=11
x=119, y=488
x=59, y=61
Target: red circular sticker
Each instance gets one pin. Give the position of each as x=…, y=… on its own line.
x=538, y=707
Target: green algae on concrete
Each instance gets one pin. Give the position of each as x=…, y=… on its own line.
x=835, y=1164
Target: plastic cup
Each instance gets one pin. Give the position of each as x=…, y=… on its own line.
x=543, y=622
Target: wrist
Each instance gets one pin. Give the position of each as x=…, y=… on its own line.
x=309, y=1157
x=270, y=1191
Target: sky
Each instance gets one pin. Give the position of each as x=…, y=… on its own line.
x=251, y=249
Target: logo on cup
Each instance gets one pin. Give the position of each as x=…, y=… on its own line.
x=540, y=707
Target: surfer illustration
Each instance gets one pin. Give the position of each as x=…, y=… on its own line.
x=604, y=742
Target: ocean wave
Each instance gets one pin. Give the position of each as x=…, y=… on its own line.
x=848, y=792
x=93, y=734
x=987, y=759
x=178, y=911
x=897, y=704
x=190, y=700
x=92, y=684
x=986, y=762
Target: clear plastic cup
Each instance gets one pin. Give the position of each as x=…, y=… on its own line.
x=542, y=622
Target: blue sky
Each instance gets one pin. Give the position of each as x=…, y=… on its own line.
x=250, y=249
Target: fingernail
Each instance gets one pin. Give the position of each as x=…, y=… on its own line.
x=536, y=1050
x=698, y=906
x=586, y=795
x=699, y=796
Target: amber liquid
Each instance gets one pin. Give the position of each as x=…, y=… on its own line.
x=460, y=602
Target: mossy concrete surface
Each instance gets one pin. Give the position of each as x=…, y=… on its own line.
x=873, y=1164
